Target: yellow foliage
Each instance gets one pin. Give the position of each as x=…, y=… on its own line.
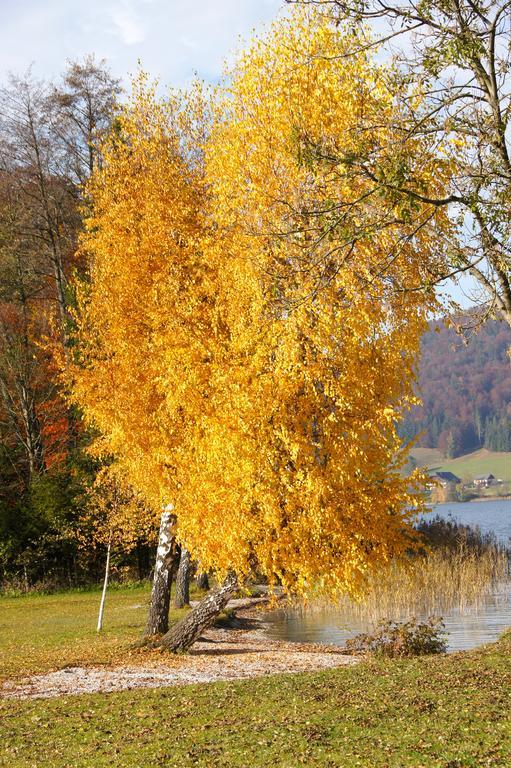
x=247, y=343
x=114, y=513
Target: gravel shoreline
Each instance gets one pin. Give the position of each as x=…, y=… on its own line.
x=220, y=654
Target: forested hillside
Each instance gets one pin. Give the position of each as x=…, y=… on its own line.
x=465, y=385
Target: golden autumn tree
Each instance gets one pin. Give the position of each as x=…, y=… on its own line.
x=247, y=338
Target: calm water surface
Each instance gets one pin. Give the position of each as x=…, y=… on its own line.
x=490, y=516
x=465, y=630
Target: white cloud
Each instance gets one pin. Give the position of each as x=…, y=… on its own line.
x=172, y=38
x=127, y=24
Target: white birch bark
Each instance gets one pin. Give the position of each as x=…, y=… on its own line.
x=105, y=585
x=158, y=619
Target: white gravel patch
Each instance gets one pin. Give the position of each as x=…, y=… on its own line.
x=209, y=662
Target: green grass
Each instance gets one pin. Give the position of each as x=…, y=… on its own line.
x=442, y=712
x=44, y=632
x=480, y=462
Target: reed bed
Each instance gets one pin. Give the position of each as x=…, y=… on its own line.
x=456, y=569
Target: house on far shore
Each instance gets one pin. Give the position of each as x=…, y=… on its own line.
x=445, y=478
x=484, y=481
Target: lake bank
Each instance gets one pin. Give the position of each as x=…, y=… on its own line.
x=240, y=650
x=220, y=655
x=58, y=630
x=487, y=498
x=471, y=620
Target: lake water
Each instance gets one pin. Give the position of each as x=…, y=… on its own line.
x=490, y=516
x=466, y=629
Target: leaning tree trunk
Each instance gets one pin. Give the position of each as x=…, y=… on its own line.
x=158, y=619
x=183, y=634
x=182, y=595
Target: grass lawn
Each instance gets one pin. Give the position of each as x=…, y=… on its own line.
x=447, y=711
x=44, y=632
x=480, y=462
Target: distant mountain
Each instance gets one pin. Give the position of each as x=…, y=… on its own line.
x=465, y=385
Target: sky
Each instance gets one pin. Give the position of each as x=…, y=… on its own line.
x=173, y=39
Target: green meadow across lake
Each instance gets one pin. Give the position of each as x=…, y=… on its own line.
x=467, y=467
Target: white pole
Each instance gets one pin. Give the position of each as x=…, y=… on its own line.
x=105, y=585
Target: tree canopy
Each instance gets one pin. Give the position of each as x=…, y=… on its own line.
x=247, y=339
x=456, y=55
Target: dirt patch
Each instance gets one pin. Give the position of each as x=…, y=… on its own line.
x=218, y=656
x=239, y=651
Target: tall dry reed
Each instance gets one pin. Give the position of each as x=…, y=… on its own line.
x=455, y=570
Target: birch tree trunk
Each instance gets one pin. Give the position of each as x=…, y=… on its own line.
x=182, y=594
x=105, y=585
x=183, y=634
x=158, y=618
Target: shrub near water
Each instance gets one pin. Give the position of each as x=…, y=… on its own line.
x=439, y=533
x=411, y=638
